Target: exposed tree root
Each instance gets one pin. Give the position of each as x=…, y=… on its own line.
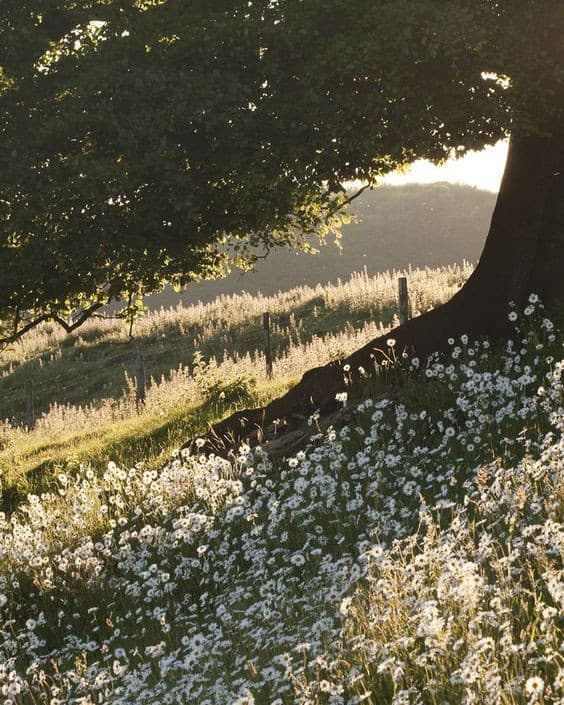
x=524, y=253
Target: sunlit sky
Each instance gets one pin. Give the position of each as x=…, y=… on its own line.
x=482, y=169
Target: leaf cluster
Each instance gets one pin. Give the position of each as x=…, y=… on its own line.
x=152, y=141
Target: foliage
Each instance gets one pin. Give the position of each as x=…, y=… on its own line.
x=145, y=142
x=217, y=389
x=393, y=227
x=410, y=557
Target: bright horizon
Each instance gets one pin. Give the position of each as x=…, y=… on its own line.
x=482, y=169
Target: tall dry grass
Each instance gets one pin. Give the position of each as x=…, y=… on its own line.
x=311, y=326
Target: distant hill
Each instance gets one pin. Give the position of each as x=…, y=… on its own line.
x=397, y=226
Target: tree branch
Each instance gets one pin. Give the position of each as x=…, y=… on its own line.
x=351, y=198
x=68, y=327
x=77, y=322
x=17, y=334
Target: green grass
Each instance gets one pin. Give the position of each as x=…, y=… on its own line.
x=92, y=363
x=84, y=384
x=31, y=464
x=80, y=371
x=410, y=550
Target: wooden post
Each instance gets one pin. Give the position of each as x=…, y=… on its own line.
x=140, y=386
x=267, y=344
x=30, y=407
x=403, y=300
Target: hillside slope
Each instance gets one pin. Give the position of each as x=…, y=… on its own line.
x=412, y=557
x=201, y=362
x=418, y=225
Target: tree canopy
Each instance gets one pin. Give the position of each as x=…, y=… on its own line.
x=153, y=141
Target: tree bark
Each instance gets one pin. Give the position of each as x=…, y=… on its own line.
x=524, y=253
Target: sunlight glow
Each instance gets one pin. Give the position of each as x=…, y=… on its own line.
x=482, y=169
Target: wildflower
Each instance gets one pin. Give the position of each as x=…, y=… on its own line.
x=314, y=418
x=118, y=668
x=512, y=316
x=390, y=342
x=344, y=607
x=534, y=688
x=239, y=537
x=246, y=698
x=297, y=559
x=342, y=397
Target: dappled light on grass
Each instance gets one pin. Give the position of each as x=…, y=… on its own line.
x=333, y=311
x=311, y=326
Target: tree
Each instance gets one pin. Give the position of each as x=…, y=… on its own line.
x=137, y=135
x=132, y=156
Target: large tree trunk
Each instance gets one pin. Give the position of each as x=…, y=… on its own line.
x=524, y=253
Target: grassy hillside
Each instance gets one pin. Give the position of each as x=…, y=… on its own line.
x=395, y=227
x=201, y=361
x=411, y=556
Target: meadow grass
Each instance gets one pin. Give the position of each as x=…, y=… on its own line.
x=92, y=363
x=412, y=556
x=85, y=383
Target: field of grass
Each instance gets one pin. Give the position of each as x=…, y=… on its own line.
x=412, y=556
x=202, y=361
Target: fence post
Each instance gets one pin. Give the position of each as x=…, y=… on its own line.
x=140, y=377
x=403, y=300
x=30, y=407
x=267, y=343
